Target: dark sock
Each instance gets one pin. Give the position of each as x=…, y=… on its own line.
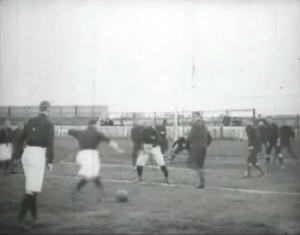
x=33, y=210
x=267, y=160
x=81, y=184
x=165, y=171
x=6, y=166
x=139, y=171
x=98, y=183
x=25, y=205
x=280, y=161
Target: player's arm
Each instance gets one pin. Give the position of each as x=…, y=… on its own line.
x=133, y=134
x=209, y=138
x=74, y=133
x=110, y=142
x=175, y=143
x=277, y=134
x=250, y=138
x=50, y=144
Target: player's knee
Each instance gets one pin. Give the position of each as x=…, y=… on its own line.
x=30, y=192
x=280, y=155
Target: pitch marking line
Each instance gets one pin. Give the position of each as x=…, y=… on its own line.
x=148, y=166
x=187, y=186
x=250, y=191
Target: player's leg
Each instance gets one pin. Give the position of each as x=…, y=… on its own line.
x=200, y=160
x=160, y=161
x=255, y=163
x=8, y=157
x=135, y=150
x=141, y=162
x=279, y=154
x=33, y=163
x=99, y=184
x=85, y=159
x=175, y=153
x=268, y=153
x=291, y=152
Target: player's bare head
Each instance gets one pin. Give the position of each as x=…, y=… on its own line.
x=197, y=116
x=45, y=107
x=92, y=122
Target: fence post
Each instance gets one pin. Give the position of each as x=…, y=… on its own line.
x=297, y=124
x=9, y=111
x=76, y=111
x=254, y=115
x=154, y=118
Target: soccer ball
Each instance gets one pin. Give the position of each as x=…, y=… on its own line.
x=122, y=195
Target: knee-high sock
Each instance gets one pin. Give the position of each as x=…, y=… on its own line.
x=164, y=169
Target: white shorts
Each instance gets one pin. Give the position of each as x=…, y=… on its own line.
x=34, y=163
x=89, y=162
x=5, y=152
x=149, y=151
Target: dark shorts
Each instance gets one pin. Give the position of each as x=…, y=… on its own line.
x=164, y=146
x=196, y=158
x=252, y=157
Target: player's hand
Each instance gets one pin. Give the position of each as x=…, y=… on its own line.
x=278, y=143
x=49, y=167
x=119, y=150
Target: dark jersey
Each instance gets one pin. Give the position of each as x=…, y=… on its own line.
x=209, y=138
x=285, y=134
x=273, y=133
x=181, y=143
x=90, y=138
x=263, y=133
x=162, y=131
x=150, y=136
x=5, y=135
x=253, y=137
x=136, y=134
x=39, y=132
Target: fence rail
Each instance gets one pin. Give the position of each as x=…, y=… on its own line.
x=79, y=115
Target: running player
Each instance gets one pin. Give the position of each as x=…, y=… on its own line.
x=285, y=135
x=178, y=146
x=88, y=157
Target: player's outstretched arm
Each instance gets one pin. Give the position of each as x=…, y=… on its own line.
x=110, y=142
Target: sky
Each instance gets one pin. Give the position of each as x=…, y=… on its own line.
x=139, y=55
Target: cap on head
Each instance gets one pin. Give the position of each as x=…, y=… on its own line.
x=44, y=106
